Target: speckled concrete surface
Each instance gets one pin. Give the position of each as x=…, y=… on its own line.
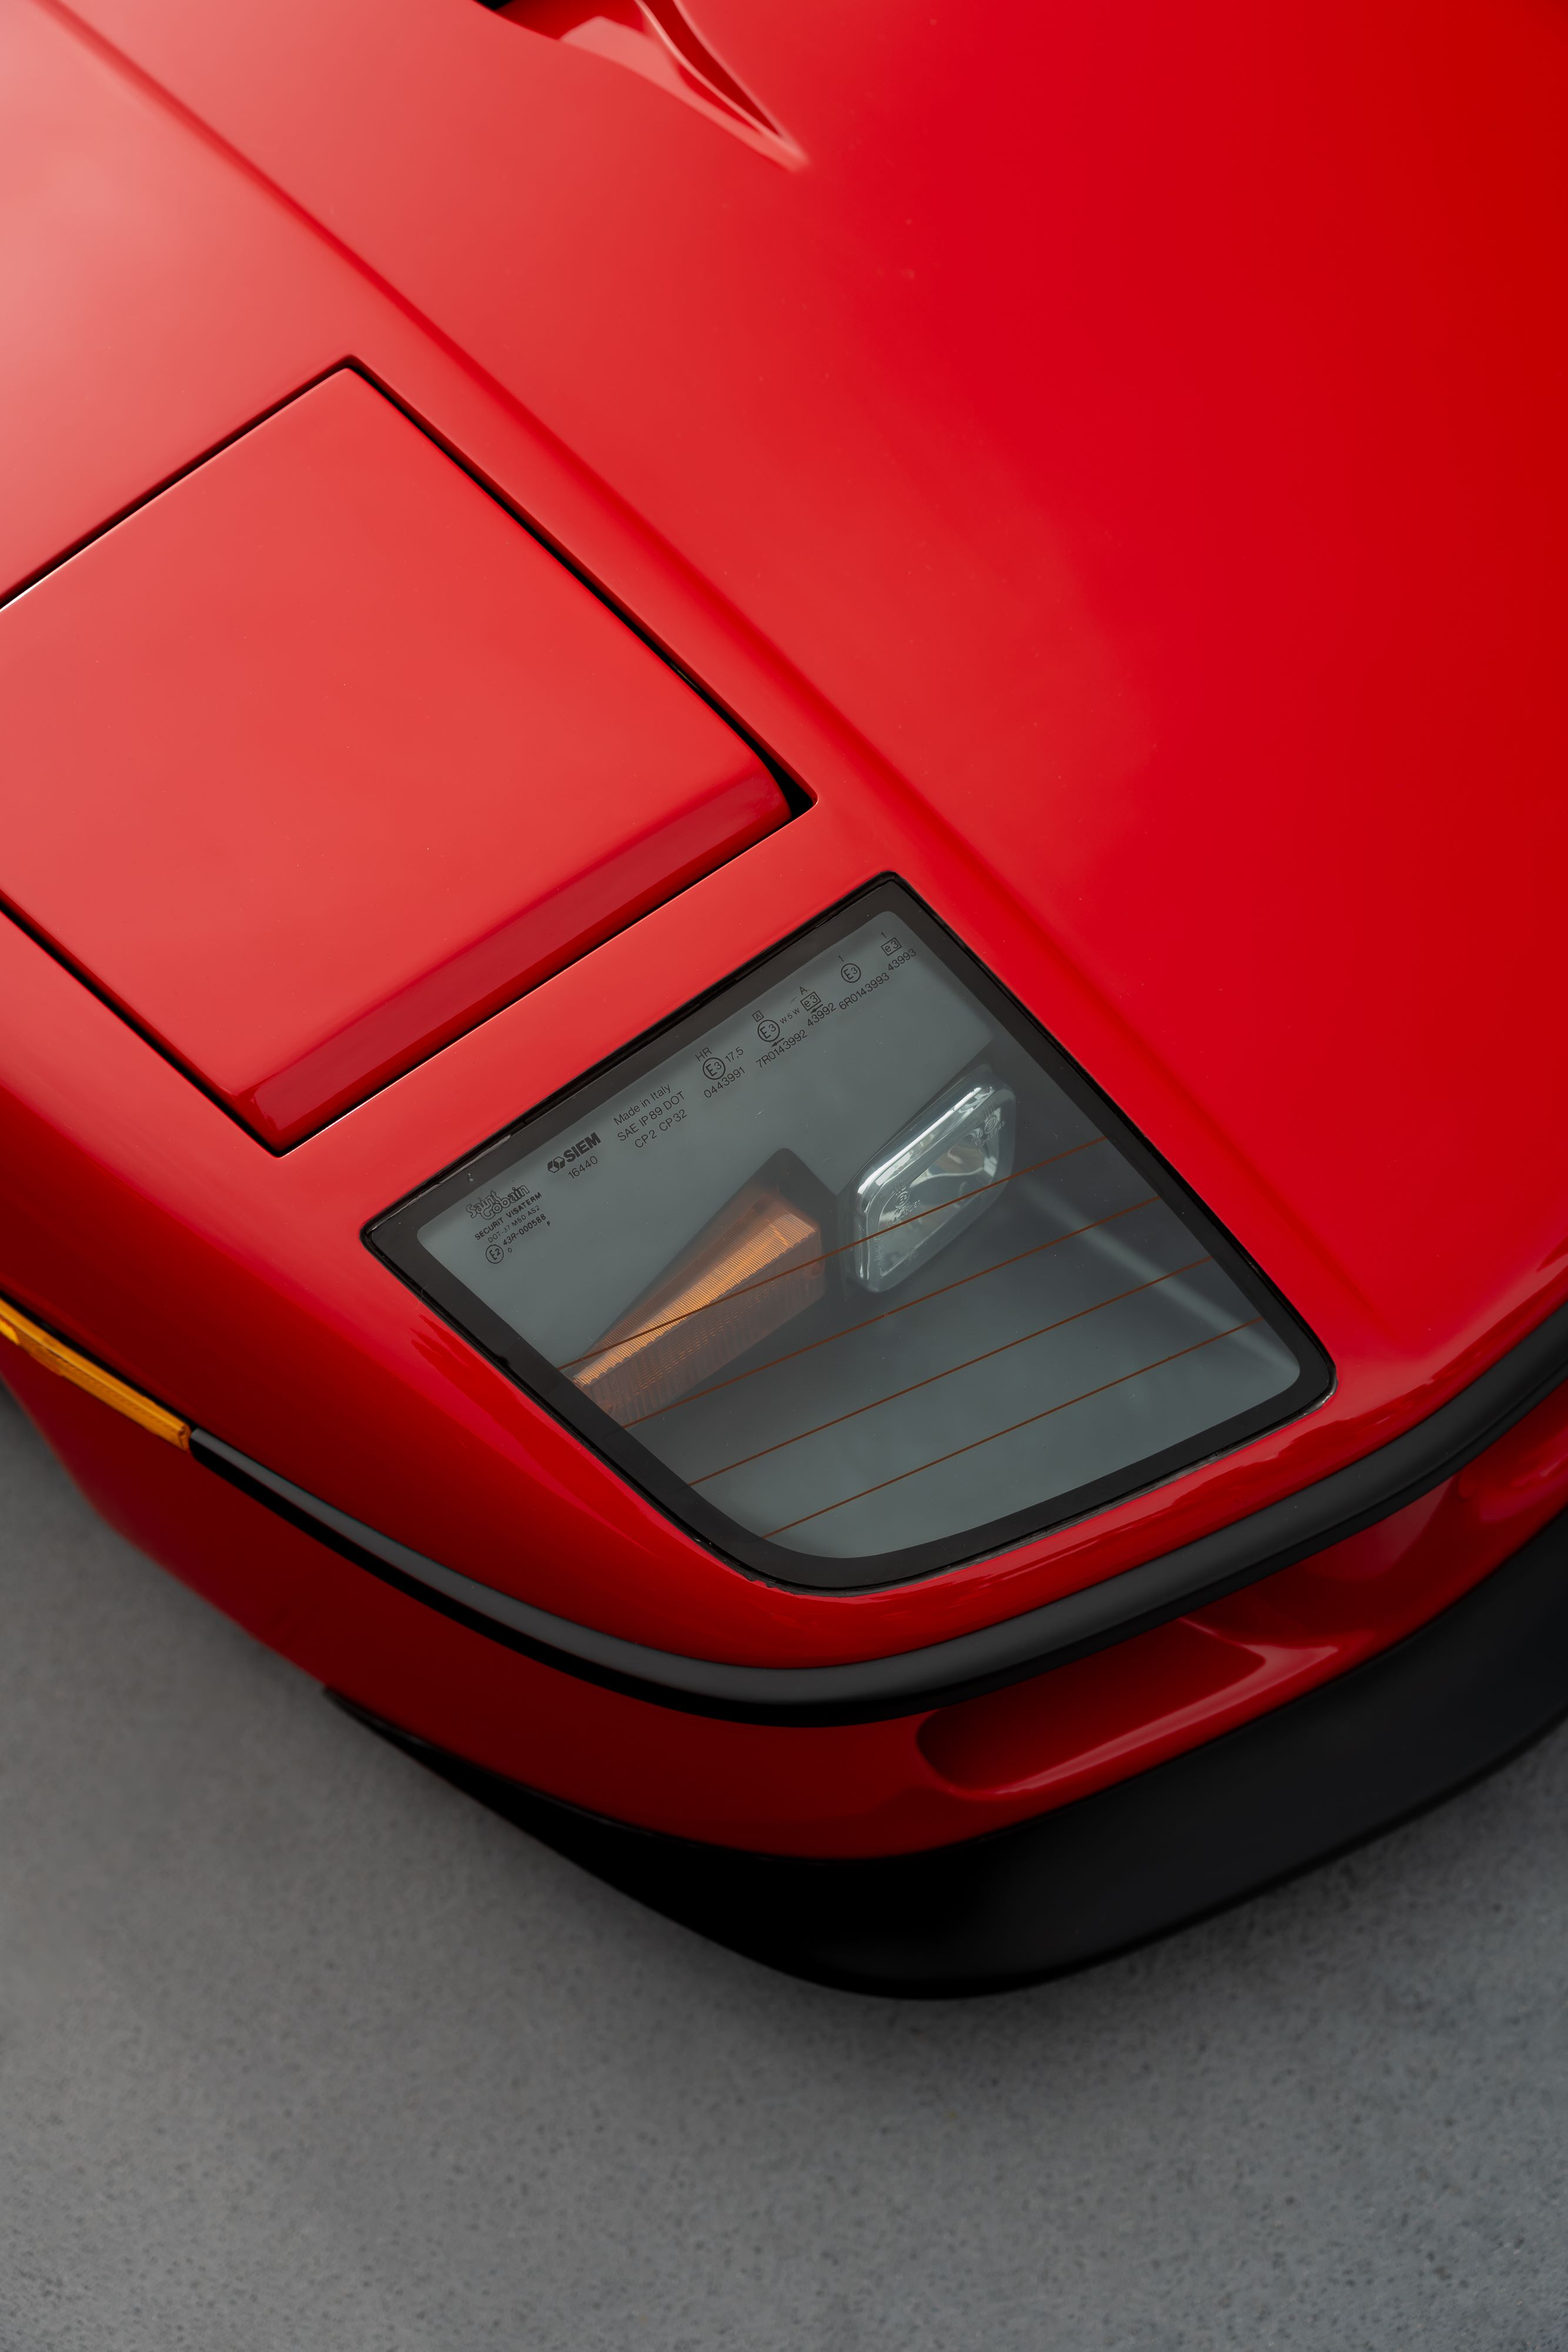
x=300, y=2049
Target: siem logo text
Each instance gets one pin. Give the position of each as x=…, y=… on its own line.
x=584, y=1143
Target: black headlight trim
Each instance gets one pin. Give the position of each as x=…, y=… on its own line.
x=393, y=1237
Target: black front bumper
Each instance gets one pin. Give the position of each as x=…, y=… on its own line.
x=1090, y=1879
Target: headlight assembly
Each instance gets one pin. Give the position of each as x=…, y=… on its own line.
x=854, y=1272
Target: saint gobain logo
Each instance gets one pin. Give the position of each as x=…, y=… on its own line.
x=584, y=1143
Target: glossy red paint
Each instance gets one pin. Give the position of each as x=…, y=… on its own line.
x=1121, y=472
x=326, y=759
x=657, y=39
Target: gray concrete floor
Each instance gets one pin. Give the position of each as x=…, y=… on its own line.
x=298, y=2047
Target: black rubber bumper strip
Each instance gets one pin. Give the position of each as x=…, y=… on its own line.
x=1091, y=1879
x=911, y=1682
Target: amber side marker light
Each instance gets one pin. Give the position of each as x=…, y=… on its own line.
x=71, y=1365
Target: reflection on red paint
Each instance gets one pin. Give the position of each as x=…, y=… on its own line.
x=1532, y=1461
x=1170, y=1687
x=1131, y=1705
x=654, y=38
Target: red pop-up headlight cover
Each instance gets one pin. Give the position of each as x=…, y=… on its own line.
x=318, y=757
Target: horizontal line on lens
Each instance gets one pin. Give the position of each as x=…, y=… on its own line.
x=937, y=1461
x=949, y=1371
x=744, y=1290
x=1151, y=1200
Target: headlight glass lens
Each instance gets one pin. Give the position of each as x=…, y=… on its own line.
x=932, y=1183
x=854, y=1272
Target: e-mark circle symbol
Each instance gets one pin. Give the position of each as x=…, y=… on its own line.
x=713, y=1067
x=850, y=972
x=495, y=1252
x=768, y=1031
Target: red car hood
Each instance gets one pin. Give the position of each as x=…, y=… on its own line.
x=1128, y=447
